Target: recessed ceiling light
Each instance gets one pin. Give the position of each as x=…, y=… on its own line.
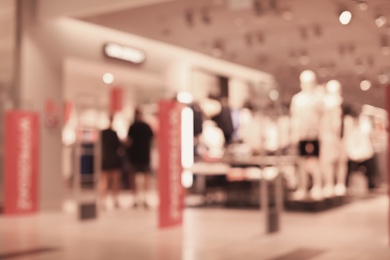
x=108, y=78
x=380, y=21
x=363, y=6
x=383, y=78
x=345, y=17
x=365, y=85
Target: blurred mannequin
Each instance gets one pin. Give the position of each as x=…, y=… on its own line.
x=212, y=139
x=305, y=119
x=330, y=135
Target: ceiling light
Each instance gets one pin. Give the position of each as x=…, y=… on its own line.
x=365, y=85
x=380, y=20
x=345, y=17
x=363, y=6
x=108, y=78
x=383, y=78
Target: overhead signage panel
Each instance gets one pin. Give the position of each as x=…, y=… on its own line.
x=124, y=53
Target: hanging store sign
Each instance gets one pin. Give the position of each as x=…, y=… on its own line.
x=68, y=110
x=124, y=53
x=171, y=191
x=21, y=162
x=116, y=99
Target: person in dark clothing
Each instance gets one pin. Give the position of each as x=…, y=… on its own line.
x=111, y=163
x=139, y=142
x=225, y=122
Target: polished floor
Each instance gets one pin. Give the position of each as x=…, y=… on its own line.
x=355, y=231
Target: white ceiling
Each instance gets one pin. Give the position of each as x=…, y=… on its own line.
x=347, y=53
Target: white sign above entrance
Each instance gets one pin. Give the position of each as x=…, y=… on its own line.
x=129, y=54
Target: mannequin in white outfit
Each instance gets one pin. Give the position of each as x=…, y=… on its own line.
x=330, y=137
x=306, y=110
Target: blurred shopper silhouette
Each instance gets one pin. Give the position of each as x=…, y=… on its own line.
x=111, y=164
x=139, y=141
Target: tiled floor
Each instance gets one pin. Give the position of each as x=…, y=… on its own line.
x=356, y=231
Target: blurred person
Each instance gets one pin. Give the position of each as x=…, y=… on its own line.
x=139, y=141
x=111, y=164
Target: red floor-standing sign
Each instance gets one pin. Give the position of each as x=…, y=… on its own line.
x=170, y=189
x=21, y=156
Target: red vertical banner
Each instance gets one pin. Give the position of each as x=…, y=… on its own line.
x=170, y=190
x=21, y=162
x=68, y=110
x=116, y=99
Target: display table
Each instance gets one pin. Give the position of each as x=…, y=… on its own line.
x=241, y=187
x=309, y=205
x=237, y=178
